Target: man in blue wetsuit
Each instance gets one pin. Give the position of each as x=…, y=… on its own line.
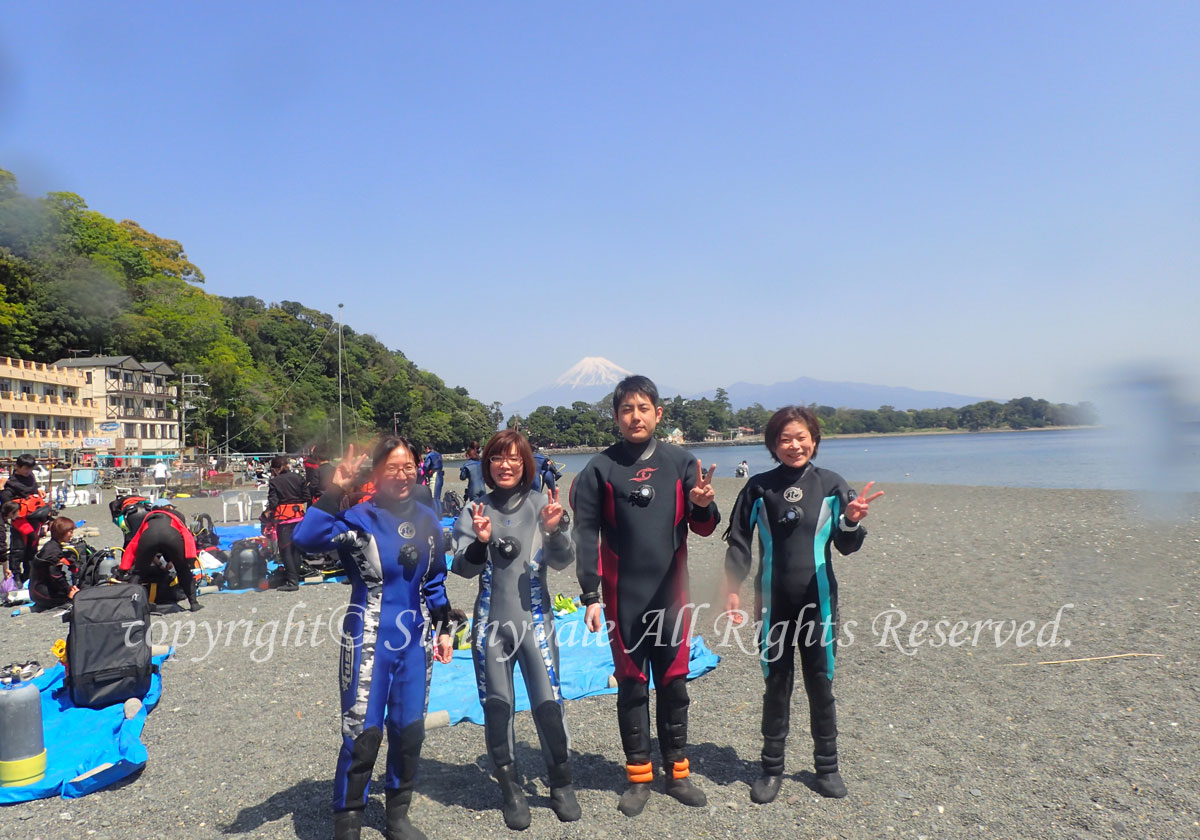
x=472, y=473
x=547, y=474
x=431, y=469
x=391, y=547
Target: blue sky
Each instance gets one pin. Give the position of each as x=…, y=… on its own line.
x=998, y=199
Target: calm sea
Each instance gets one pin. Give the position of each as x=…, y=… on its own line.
x=1070, y=458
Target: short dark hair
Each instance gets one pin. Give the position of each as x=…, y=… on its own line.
x=26, y=461
x=60, y=526
x=634, y=384
x=387, y=444
x=320, y=451
x=788, y=414
x=10, y=509
x=279, y=462
x=500, y=443
x=472, y=446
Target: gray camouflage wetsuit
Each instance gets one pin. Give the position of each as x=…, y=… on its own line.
x=514, y=621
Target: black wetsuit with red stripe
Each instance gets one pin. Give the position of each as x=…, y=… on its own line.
x=632, y=514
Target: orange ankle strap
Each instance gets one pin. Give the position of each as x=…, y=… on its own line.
x=640, y=772
x=680, y=769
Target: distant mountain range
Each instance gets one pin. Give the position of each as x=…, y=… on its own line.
x=593, y=378
x=804, y=391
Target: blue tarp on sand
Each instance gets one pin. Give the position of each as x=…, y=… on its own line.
x=80, y=740
x=585, y=664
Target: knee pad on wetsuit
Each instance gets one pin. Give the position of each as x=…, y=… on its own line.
x=672, y=712
x=362, y=763
x=404, y=751
x=497, y=716
x=633, y=719
x=549, y=718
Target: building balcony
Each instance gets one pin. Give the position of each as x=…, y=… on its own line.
x=23, y=370
x=19, y=403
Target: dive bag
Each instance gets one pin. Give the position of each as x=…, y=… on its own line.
x=108, y=650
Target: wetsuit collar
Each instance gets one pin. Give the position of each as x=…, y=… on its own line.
x=504, y=499
x=794, y=474
x=402, y=508
x=640, y=451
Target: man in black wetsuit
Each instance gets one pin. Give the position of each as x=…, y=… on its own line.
x=633, y=505
x=287, y=500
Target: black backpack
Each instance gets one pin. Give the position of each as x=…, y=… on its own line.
x=452, y=504
x=108, y=650
x=247, y=567
x=94, y=566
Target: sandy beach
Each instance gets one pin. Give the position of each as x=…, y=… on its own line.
x=945, y=732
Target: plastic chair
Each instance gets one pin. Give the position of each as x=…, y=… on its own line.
x=256, y=497
x=235, y=498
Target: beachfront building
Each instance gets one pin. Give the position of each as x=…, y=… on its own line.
x=137, y=401
x=45, y=410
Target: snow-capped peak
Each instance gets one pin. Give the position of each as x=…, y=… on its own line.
x=592, y=370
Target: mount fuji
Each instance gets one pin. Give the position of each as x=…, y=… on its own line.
x=590, y=379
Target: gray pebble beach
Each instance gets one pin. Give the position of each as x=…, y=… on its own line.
x=937, y=741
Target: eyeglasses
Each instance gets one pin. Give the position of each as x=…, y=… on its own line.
x=512, y=460
x=407, y=469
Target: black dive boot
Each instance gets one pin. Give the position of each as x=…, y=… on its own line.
x=562, y=794
x=347, y=825
x=633, y=800
x=680, y=787
x=766, y=787
x=515, y=808
x=398, y=826
x=823, y=714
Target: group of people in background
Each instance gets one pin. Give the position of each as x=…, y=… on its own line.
x=633, y=506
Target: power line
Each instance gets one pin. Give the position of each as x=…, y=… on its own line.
x=286, y=390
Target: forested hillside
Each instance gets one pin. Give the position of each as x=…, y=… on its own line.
x=73, y=281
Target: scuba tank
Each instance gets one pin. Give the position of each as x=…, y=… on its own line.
x=22, y=747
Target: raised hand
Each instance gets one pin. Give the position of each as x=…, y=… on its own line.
x=552, y=512
x=346, y=472
x=481, y=523
x=703, y=494
x=856, y=511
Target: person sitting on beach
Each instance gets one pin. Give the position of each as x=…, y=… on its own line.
x=52, y=583
x=509, y=538
x=801, y=512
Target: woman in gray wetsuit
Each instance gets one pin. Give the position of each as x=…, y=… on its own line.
x=507, y=539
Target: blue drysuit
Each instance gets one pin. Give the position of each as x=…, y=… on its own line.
x=393, y=553
x=432, y=468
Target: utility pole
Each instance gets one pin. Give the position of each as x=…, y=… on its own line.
x=341, y=430
x=192, y=388
x=285, y=428
x=396, y=423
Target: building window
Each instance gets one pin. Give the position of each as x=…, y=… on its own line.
x=88, y=376
x=61, y=425
x=40, y=424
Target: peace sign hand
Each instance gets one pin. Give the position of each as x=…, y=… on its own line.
x=481, y=523
x=856, y=511
x=552, y=512
x=347, y=470
x=702, y=494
